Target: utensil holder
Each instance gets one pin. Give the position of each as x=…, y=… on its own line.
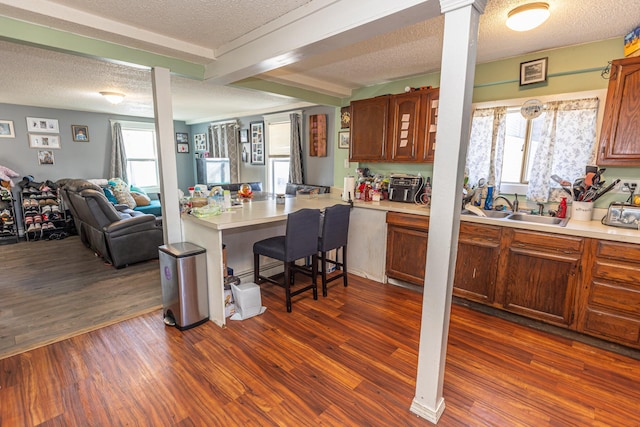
x=581, y=211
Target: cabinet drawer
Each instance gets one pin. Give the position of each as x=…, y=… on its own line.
x=530, y=239
x=471, y=232
x=621, y=251
x=617, y=271
x=415, y=222
x=624, y=298
x=609, y=325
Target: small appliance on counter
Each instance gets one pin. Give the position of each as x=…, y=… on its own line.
x=623, y=215
x=404, y=188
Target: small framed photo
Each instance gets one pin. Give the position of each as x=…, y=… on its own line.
x=244, y=135
x=257, y=143
x=35, y=124
x=183, y=148
x=343, y=139
x=345, y=117
x=182, y=137
x=44, y=141
x=200, y=142
x=80, y=133
x=45, y=157
x=6, y=129
x=533, y=71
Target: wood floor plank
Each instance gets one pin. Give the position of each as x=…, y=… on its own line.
x=345, y=360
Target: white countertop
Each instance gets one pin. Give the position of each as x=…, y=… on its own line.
x=261, y=212
x=592, y=229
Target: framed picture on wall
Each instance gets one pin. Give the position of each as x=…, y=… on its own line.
x=45, y=157
x=6, y=129
x=182, y=138
x=343, y=139
x=244, y=135
x=200, y=142
x=80, y=133
x=35, y=124
x=256, y=132
x=533, y=71
x=44, y=141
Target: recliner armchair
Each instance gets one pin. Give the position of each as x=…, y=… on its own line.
x=120, y=235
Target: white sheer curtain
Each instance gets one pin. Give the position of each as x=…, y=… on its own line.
x=224, y=144
x=296, y=168
x=486, y=146
x=118, y=167
x=568, y=145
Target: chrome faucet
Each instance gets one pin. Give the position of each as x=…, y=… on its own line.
x=512, y=205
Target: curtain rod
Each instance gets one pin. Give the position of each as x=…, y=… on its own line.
x=226, y=122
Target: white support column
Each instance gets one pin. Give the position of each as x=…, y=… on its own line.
x=456, y=89
x=161, y=80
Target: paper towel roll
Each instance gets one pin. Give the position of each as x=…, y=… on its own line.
x=348, y=190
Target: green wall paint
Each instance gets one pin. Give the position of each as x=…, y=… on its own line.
x=49, y=38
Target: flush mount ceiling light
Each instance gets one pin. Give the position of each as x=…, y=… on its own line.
x=113, y=97
x=528, y=16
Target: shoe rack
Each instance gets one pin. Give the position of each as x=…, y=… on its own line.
x=8, y=227
x=42, y=213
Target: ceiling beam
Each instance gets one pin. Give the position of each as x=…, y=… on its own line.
x=318, y=27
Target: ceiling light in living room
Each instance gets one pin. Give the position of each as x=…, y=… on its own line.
x=528, y=16
x=113, y=97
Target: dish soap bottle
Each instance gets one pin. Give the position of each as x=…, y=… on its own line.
x=562, y=208
x=488, y=202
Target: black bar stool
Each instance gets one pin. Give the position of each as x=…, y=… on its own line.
x=300, y=241
x=335, y=229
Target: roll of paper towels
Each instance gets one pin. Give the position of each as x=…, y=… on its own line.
x=348, y=191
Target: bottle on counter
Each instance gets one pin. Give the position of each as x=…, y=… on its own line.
x=488, y=202
x=562, y=208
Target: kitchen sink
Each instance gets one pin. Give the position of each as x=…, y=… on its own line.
x=489, y=214
x=548, y=220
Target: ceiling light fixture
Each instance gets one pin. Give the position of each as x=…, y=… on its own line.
x=528, y=16
x=113, y=97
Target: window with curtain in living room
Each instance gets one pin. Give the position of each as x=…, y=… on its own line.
x=278, y=137
x=142, y=157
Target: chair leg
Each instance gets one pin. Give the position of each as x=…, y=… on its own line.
x=344, y=265
x=314, y=275
x=323, y=272
x=287, y=285
x=256, y=268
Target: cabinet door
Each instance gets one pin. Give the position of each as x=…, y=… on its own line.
x=430, y=125
x=407, y=237
x=620, y=136
x=368, y=131
x=404, y=128
x=540, y=276
x=477, y=262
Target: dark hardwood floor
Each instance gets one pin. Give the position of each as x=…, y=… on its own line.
x=348, y=359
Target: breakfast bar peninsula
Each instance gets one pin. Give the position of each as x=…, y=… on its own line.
x=238, y=229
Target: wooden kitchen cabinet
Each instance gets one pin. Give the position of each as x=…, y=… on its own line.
x=407, y=237
x=539, y=275
x=409, y=120
x=368, y=131
x=610, y=299
x=620, y=134
x=477, y=262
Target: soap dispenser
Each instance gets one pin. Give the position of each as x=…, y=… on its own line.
x=488, y=202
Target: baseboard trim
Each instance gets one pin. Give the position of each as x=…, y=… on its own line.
x=428, y=413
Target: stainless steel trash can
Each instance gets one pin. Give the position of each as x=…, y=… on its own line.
x=183, y=274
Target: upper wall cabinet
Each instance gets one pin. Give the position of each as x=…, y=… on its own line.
x=395, y=128
x=368, y=130
x=620, y=134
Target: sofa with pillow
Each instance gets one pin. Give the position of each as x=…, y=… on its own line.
x=119, y=193
x=121, y=236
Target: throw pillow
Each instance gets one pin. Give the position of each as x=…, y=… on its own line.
x=125, y=198
x=141, y=199
x=108, y=192
x=133, y=188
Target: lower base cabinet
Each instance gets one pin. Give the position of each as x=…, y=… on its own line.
x=407, y=237
x=588, y=285
x=611, y=295
x=539, y=275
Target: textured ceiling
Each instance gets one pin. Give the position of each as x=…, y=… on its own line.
x=198, y=30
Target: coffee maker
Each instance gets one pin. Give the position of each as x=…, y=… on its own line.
x=404, y=188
